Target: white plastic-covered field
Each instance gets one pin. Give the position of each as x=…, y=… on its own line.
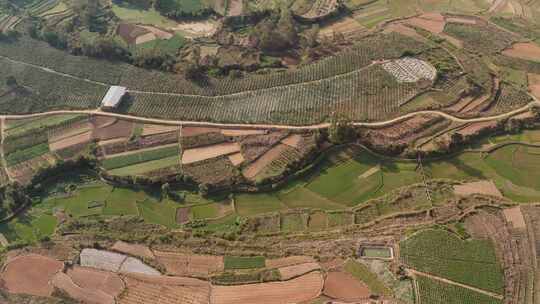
x=115, y=262
x=410, y=69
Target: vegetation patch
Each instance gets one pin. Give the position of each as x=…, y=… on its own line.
x=235, y=262
x=436, y=292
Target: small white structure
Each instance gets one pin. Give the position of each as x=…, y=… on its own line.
x=410, y=69
x=113, y=97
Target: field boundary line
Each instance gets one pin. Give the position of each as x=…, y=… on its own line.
x=450, y=282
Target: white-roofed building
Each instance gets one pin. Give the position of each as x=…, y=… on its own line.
x=113, y=97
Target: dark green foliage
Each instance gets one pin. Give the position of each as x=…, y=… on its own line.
x=182, y=8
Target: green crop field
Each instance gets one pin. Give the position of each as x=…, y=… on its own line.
x=293, y=222
x=22, y=126
x=205, y=211
x=443, y=254
x=147, y=166
x=163, y=213
x=139, y=157
x=234, y=262
x=123, y=201
x=20, y=156
x=253, y=204
x=143, y=16
x=29, y=228
x=435, y=292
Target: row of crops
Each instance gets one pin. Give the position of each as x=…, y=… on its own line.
x=371, y=48
x=485, y=39
x=37, y=90
x=443, y=254
x=435, y=292
x=369, y=94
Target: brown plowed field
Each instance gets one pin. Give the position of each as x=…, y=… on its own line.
x=119, y=129
x=193, y=131
x=480, y=187
x=461, y=20
x=198, y=154
x=345, y=26
x=257, y=166
x=476, y=128
x=71, y=141
x=242, y=132
x=183, y=264
x=289, y=261
x=534, y=84
x=149, y=129
x=182, y=215
x=343, y=286
x=428, y=23
x=63, y=282
x=524, y=50
x=96, y=280
x=73, y=129
x=333, y=264
x=236, y=158
x=294, y=140
x=514, y=216
x=133, y=249
x=102, y=121
x=142, y=291
x=290, y=272
x=30, y=274
x=298, y=290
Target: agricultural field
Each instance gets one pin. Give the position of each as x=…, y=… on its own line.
x=265, y=151
x=442, y=254
x=432, y=291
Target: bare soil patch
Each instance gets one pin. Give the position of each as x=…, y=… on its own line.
x=429, y=22
x=479, y=187
x=333, y=264
x=165, y=290
x=71, y=141
x=346, y=26
x=461, y=20
x=119, y=129
x=289, y=261
x=133, y=249
x=294, y=140
x=258, y=165
x=161, y=34
x=193, y=131
x=149, y=129
x=197, y=28
x=183, y=264
x=236, y=158
x=63, y=282
x=370, y=172
x=182, y=215
x=514, y=216
x=198, y=154
x=24, y=172
x=102, y=121
x=30, y=274
x=294, y=271
x=524, y=50
x=242, y=132
x=236, y=8
x=476, y=128
x=96, y=280
x=343, y=286
x=534, y=84
x=72, y=130
x=302, y=289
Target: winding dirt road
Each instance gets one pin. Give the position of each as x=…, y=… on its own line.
x=270, y=126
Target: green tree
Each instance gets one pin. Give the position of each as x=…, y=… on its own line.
x=340, y=131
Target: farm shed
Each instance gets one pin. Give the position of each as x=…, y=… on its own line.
x=133, y=34
x=113, y=97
